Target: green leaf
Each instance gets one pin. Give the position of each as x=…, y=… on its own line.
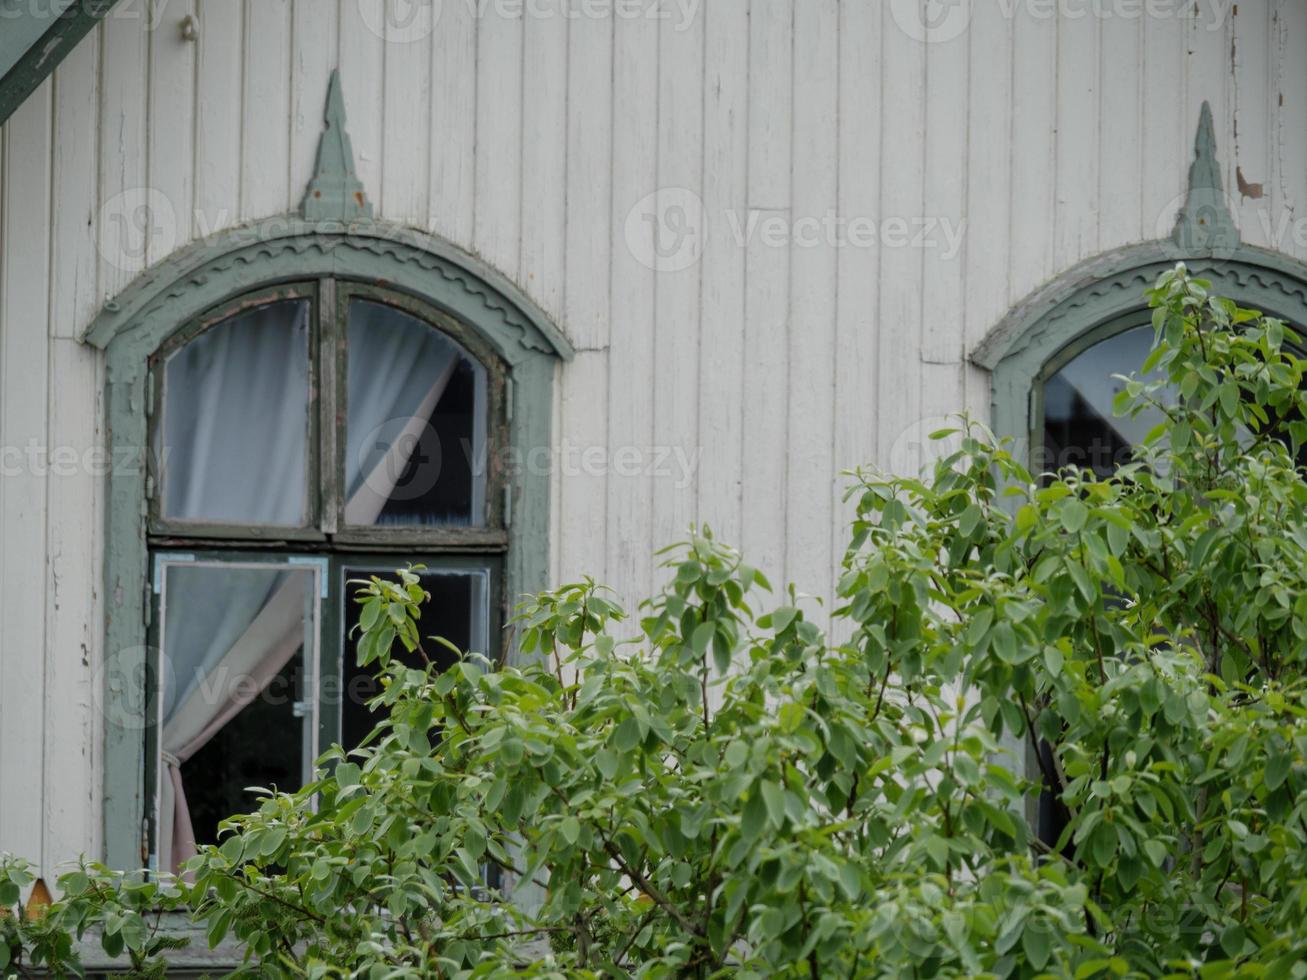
x=627, y=735
x=1037, y=942
x=937, y=848
x=1157, y=852
x=774, y=797
x=570, y=829
x=753, y=817
x=701, y=636
x=1072, y=514
x=1277, y=769
x=347, y=775
x=970, y=520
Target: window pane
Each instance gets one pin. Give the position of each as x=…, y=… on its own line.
x=235, y=420
x=416, y=431
x=234, y=693
x=1080, y=428
x=458, y=611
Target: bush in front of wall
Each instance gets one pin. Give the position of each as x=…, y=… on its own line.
x=732, y=793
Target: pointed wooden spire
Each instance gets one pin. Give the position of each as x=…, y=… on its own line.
x=38, y=903
x=1204, y=223
x=335, y=192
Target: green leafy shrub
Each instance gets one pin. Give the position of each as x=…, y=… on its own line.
x=733, y=793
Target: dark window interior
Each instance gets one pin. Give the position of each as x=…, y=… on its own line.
x=436, y=484
x=449, y=614
x=242, y=755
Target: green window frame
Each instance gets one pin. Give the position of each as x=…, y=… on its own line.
x=1092, y=302
x=457, y=293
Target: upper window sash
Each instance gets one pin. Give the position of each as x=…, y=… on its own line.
x=327, y=437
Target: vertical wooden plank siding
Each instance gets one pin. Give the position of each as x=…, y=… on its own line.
x=583, y=465
x=588, y=179
x=362, y=64
x=814, y=246
x=858, y=286
x=677, y=285
x=946, y=236
x=722, y=397
x=643, y=179
x=452, y=131
x=1118, y=143
x=218, y=102
x=125, y=216
x=24, y=386
x=314, y=42
x=498, y=189
x=767, y=290
x=170, y=164
x=265, y=129
x=1033, y=149
x=1252, y=185
x=1075, y=231
x=546, y=75
x=631, y=333
x=989, y=191
x=74, y=491
x=902, y=200
x=1167, y=139
x=405, y=154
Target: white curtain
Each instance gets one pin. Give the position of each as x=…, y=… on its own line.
x=234, y=427
x=399, y=369
x=228, y=631
x=236, y=420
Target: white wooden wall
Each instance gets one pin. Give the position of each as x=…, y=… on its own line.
x=529, y=140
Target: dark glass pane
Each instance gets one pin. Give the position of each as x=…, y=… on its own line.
x=235, y=420
x=458, y=611
x=416, y=427
x=242, y=755
x=1080, y=428
x=234, y=708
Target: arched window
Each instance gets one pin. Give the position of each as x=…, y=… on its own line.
x=303, y=436
x=1052, y=362
x=290, y=407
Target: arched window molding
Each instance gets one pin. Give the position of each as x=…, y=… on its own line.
x=1104, y=296
x=334, y=239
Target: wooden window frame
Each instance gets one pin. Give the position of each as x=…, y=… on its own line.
x=460, y=291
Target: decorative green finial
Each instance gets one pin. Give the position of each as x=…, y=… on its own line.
x=335, y=193
x=1204, y=223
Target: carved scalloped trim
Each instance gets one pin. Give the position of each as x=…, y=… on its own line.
x=1037, y=317
x=159, y=291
